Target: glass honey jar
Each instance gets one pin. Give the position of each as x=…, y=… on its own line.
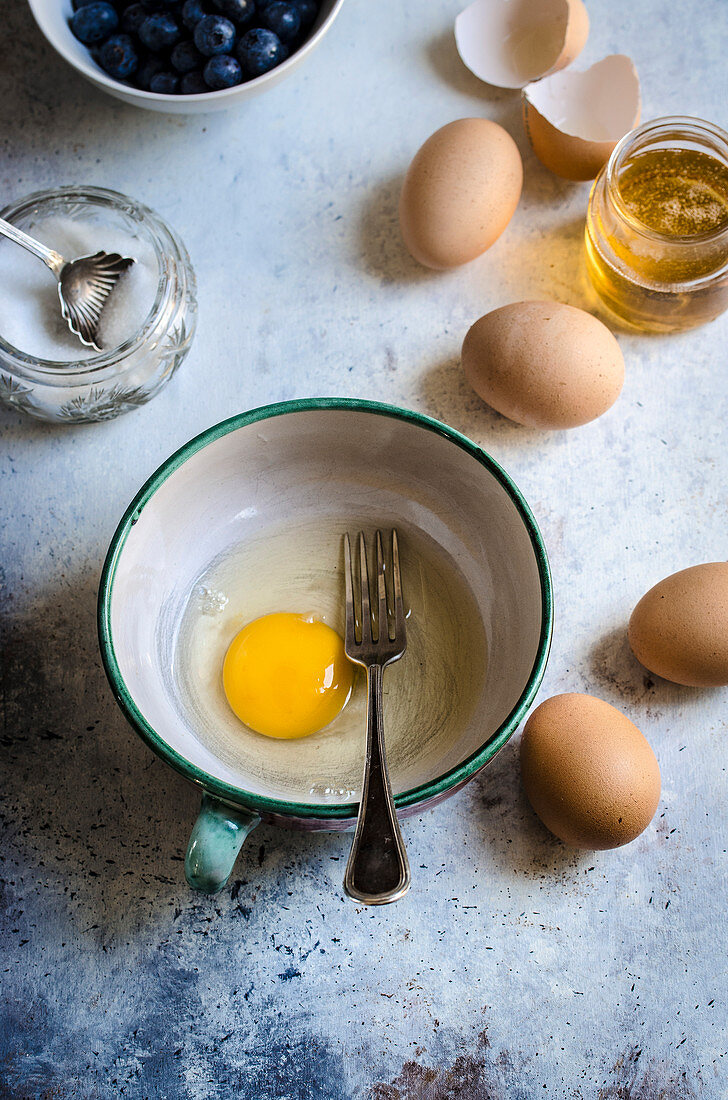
x=657, y=226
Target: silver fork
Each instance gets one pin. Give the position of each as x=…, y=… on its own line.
x=378, y=869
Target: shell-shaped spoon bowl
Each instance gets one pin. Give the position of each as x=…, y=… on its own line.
x=84, y=287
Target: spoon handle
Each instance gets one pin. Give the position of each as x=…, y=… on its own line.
x=51, y=259
x=378, y=870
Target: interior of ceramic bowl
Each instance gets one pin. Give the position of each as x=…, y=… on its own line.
x=249, y=519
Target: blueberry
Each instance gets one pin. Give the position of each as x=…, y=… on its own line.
x=258, y=51
x=94, y=22
x=192, y=12
x=193, y=84
x=283, y=19
x=307, y=12
x=117, y=56
x=164, y=83
x=132, y=18
x=185, y=57
x=159, y=31
x=222, y=71
x=148, y=68
x=240, y=11
x=214, y=34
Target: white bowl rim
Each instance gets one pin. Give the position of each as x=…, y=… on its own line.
x=425, y=792
x=97, y=75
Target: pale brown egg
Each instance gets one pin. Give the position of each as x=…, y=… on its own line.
x=460, y=192
x=679, y=629
x=588, y=772
x=544, y=364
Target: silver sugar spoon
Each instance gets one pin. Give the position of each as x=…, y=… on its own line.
x=83, y=284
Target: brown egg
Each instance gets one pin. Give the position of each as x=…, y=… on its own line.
x=679, y=629
x=588, y=772
x=460, y=192
x=544, y=364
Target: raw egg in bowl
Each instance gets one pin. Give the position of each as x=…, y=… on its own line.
x=221, y=614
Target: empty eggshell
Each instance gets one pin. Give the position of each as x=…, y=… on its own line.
x=544, y=364
x=460, y=192
x=508, y=43
x=588, y=772
x=679, y=629
x=575, y=119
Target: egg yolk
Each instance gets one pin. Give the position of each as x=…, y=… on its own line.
x=286, y=675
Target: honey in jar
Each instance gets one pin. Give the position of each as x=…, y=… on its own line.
x=657, y=226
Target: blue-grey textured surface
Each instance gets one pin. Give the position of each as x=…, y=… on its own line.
x=516, y=967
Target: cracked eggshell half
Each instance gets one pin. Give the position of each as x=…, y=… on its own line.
x=509, y=43
x=575, y=119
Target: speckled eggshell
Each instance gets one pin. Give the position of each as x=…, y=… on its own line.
x=544, y=364
x=679, y=629
x=588, y=772
x=575, y=119
x=567, y=156
x=460, y=192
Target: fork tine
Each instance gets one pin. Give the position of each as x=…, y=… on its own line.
x=399, y=619
x=366, y=615
x=383, y=623
x=349, y=589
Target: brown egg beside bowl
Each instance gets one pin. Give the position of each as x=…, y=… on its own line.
x=544, y=364
x=679, y=629
x=588, y=772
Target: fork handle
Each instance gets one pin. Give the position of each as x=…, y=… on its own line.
x=378, y=870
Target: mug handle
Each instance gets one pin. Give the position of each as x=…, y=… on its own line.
x=217, y=837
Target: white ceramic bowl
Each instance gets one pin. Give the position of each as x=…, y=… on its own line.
x=52, y=17
x=326, y=464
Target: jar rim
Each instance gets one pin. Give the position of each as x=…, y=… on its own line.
x=64, y=369
x=693, y=128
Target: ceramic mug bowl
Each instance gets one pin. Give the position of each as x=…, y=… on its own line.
x=248, y=518
x=52, y=17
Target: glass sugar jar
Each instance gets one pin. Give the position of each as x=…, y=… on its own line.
x=657, y=226
x=45, y=371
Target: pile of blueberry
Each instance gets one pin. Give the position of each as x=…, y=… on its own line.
x=182, y=47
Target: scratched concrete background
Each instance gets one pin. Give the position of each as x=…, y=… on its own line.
x=516, y=968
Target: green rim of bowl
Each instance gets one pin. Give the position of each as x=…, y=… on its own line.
x=237, y=795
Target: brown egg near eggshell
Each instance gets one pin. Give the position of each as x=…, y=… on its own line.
x=544, y=364
x=460, y=192
x=509, y=43
x=588, y=772
x=575, y=119
x=679, y=629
